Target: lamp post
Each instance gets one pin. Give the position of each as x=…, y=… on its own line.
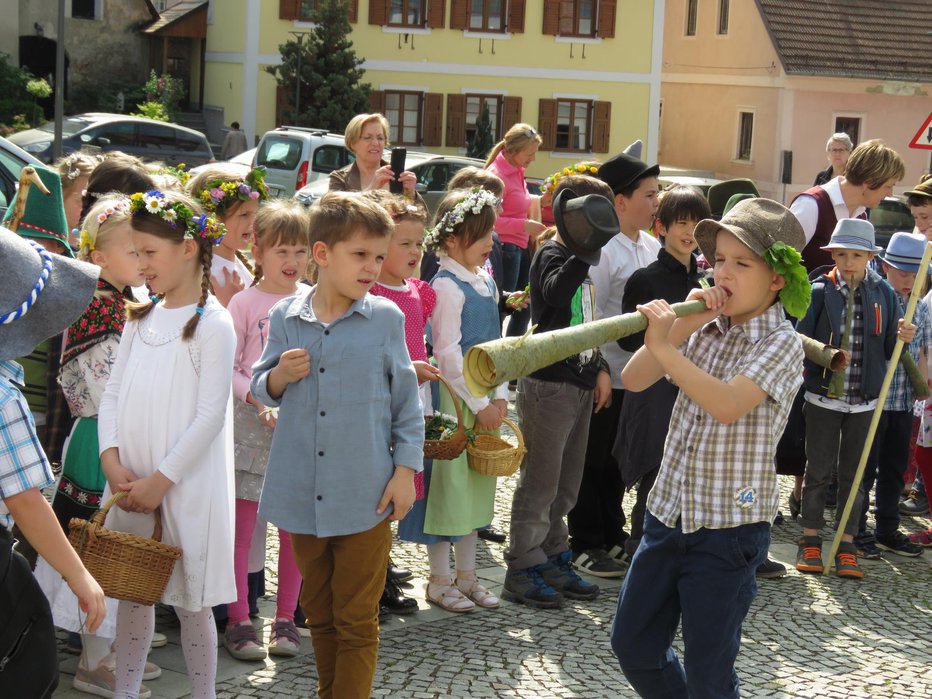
x=59, y=81
x=299, y=37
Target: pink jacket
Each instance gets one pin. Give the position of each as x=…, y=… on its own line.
x=515, y=203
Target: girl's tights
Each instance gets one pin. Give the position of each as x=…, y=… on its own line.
x=465, y=553
x=135, y=626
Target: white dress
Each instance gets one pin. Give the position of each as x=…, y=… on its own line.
x=168, y=407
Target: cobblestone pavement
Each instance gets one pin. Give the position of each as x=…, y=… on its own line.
x=805, y=636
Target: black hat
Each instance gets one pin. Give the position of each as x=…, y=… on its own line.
x=623, y=170
x=585, y=224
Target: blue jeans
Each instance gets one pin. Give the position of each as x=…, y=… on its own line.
x=516, y=263
x=704, y=579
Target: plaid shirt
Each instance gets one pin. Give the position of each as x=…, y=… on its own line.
x=718, y=476
x=900, y=397
x=22, y=462
x=855, y=343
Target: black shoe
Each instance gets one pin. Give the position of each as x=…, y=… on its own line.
x=899, y=543
x=384, y=613
x=492, y=534
x=399, y=575
x=770, y=569
x=395, y=601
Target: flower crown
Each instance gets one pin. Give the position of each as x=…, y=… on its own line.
x=179, y=172
x=218, y=195
x=175, y=213
x=472, y=203
x=89, y=241
x=797, y=291
x=578, y=169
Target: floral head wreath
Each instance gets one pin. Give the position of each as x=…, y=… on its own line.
x=796, y=292
x=218, y=195
x=179, y=172
x=472, y=203
x=177, y=214
x=578, y=169
x=88, y=240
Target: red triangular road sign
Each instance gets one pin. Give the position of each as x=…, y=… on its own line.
x=923, y=137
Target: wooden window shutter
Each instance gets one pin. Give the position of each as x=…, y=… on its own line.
x=377, y=102
x=432, y=134
x=566, y=24
x=601, y=126
x=547, y=124
x=607, y=18
x=289, y=9
x=516, y=16
x=459, y=17
x=456, y=121
x=511, y=113
x=551, y=17
x=436, y=13
x=353, y=11
x=378, y=12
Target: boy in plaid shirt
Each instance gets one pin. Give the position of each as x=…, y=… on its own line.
x=707, y=529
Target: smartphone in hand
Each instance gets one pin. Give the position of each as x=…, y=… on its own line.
x=398, y=166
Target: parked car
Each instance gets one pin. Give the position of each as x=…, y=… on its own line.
x=294, y=156
x=890, y=216
x=244, y=159
x=95, y=131
x=433, y=174
x=701, y=179
x=12, y=160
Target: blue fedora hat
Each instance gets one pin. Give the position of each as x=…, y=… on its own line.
x=853, y=234
x=904, y=251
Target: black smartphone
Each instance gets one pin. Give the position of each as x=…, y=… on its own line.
x=398, y=166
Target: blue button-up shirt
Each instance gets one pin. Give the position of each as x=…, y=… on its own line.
x=342, y=429
x=23, y=464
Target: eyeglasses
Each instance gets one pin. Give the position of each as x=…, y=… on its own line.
x=530, y=133
x=838, y=150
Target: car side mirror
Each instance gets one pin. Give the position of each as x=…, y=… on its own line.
x=420, y=188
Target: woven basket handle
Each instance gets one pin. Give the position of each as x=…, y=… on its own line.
x=516, y=430
x=460, y=430
x=101, y=514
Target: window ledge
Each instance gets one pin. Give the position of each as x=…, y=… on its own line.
x=469, y=34
x=578, y=39
x=738, y=161
x=406, y=30
x=303, y=24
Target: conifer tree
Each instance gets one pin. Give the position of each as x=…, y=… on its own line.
x=481, y=142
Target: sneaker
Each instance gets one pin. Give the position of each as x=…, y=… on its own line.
x=846, y=561
x=899, y=543
x=596, y=562
x=527, y=586
x=916, y=504
x=101, y=682
x=150, y=671
x=619, y=554
x=770, y=569
x=923, y=538
x=158, y=640
x=284, y=640
x=809, y=555
x=867, y=549
x=242, y=642
x=492, y=534
x=559, y=574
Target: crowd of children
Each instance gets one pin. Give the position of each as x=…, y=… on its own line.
x=244, y=361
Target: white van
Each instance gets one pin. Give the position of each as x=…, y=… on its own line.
x=295, y=156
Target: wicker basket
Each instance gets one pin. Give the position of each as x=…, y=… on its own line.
x=127, y=566
x=493, y=456
x=447, y=449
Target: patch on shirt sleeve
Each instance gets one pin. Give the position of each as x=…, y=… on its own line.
x=746, y=497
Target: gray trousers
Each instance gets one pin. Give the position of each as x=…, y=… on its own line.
x=832, y=438
x=555, y=423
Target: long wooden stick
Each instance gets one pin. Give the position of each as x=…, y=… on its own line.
x=878, y=411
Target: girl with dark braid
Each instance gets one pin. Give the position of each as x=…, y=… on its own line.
x=165, y=433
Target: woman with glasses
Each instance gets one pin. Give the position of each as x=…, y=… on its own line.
x=366, y=137
x=508, y=160
x=837, y=150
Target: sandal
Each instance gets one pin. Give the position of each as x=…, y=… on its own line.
x=469, y=585
x=442, y=592
x=923, y=538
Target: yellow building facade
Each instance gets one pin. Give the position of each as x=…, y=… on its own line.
x=585, y=73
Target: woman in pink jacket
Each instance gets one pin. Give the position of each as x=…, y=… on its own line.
x=508, y=160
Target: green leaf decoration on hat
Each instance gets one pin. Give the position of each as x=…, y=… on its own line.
x=787, y=262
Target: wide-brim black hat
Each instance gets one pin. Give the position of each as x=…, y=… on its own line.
x=585, y=224
x=41, y=293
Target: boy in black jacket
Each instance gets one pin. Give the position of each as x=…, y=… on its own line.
x=554, y=405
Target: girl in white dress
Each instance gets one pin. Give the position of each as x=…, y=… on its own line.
x=165, y=433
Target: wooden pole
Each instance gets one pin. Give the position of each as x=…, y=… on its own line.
x=875, y=418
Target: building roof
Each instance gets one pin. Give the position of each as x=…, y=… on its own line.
x=852, y=38
x=175, y=13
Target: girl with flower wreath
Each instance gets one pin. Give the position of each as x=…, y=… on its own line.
x=233, y=198
x=90, y=351
x=165, y=433
x=459, y=500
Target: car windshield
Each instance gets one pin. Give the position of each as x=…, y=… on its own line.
x=69, y=127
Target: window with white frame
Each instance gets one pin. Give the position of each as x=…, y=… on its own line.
x=574, y=125
x=578, y=18
x=487, y=15
x=403, y=111
x=745, y=135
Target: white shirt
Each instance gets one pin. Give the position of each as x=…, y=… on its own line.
x=218, y=264
x=806, y=209
x=621, y=257
x=445, y=329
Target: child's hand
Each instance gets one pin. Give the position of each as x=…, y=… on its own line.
x=906, y=331
x=399, y=493
x=489, y=418
x=231, y=285
x=90, y=599
x=602, y=396
x=293, y=365
x=502, y=406
x=146, y=494
x=660, y=318
x=519, y=300
x=425, y=371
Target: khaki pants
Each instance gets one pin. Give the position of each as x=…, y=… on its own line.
x=344, y=577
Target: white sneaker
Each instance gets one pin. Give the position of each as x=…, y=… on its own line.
x=158, y=640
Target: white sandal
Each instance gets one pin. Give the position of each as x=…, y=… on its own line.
x=469, y=585
x=447, y=595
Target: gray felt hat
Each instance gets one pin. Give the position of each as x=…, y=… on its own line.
x=41, y=293
x=758, y=223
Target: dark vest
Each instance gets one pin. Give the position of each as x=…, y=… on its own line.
x=813, y=255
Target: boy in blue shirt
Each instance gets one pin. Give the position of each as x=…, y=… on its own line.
x=349, y=437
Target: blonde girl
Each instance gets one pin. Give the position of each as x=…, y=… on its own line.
x=281, y=253
x=234, y=198
x=74, y=170
x=459, y=500
x=165, y=436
